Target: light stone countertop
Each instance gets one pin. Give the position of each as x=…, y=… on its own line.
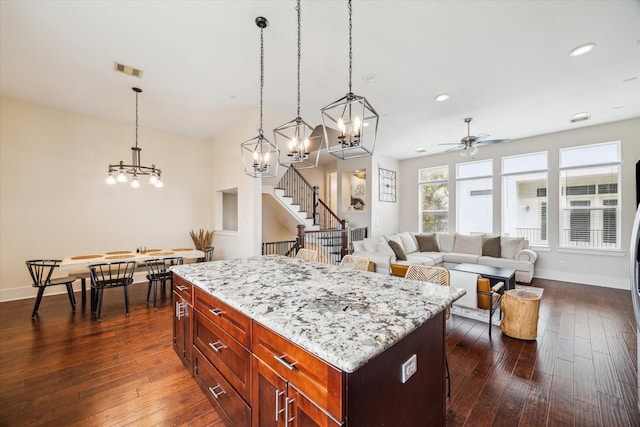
x=345, y=317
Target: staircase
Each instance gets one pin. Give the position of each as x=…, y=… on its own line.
x=320, y=228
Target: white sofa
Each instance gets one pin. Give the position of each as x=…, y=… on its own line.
x=451, y=249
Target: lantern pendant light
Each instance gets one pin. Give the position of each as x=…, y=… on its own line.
x=259, y=156
x=350, y=123
x=303, y=141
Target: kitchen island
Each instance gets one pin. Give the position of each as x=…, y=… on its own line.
x=276, y=339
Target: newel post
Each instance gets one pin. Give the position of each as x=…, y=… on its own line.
x=301, y=235
x=345, y=237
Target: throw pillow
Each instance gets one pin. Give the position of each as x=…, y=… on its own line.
x=509, y=246
x=408, y=243
x=397, y=249
x=358, y=245
x=446, y=241
x=428, y=243
x=465, y=244
x=491, y=247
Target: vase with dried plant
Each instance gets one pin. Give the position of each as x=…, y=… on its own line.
x=202, y=239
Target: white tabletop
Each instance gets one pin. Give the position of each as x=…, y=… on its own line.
x=76, y=262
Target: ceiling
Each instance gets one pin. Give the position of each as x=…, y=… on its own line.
x=504, y=63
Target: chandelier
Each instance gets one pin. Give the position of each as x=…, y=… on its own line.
x=352, y=120
x=259, y=156
x=119, y=172
x=300, y=137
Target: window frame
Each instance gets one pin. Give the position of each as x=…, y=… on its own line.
x=421, y=185
x=468, y=178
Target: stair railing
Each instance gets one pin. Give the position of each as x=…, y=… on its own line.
x=307, y=196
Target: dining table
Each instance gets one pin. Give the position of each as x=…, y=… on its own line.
x=77, y=265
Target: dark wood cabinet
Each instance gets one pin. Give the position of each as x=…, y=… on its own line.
x=182, y=322
x=256, y=377
x=277, y=403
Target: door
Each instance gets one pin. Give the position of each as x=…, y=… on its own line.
x=182, y=329
x=634, y=270
x=304, y=413
x=268, y=396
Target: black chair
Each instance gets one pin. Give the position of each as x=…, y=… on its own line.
x=41, y=271
x=110, y=275
x=208, y=254
x=158, y=272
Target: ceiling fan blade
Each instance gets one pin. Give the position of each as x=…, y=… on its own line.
x=482, y=136
x=450, y=143
x=492, y=141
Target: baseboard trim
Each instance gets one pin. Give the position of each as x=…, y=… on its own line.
x=585, y=279
x=25, y=292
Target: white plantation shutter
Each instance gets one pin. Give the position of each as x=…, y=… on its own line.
x=590, y=196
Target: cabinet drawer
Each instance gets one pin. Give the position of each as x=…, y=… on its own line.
x=229, y=319
x=183, y=288
x=224, y=352
x=220, y=392
x=318, y=380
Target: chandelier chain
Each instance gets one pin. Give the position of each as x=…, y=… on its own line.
x=350, y=42
x=136, y=119
x=299, y=51
x=261, y=73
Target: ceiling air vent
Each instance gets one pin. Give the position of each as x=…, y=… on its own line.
x=130, y=71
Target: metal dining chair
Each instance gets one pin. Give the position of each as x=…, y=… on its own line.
x=158, y=272
x=208, y=254
x=438, y=276
x=110, y=275
x=41, y=271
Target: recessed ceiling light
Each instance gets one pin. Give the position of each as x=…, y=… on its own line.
x=442, y=97
x=370, y=77
x=420, y=150
x=580, y=117
x=582, y=49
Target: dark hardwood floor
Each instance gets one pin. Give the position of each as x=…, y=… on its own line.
x=68, y=369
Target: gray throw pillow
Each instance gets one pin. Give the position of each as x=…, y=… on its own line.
x=491, y=247
x=397, y=249
x=428, y=243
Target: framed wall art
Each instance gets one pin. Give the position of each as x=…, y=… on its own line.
x=386, y=185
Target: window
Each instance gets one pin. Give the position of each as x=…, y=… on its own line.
x=524, y=197
x=589, y=198
x=433, y=186
x=474, y=197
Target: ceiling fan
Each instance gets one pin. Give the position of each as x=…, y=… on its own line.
x=469, y=144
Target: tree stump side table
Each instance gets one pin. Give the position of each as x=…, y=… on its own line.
x=520, y=310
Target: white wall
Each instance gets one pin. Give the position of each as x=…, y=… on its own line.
x=597, y=268
x=385, y=216
x=54, y=201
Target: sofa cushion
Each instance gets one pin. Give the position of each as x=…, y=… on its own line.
x=358, y=245
x=397, y=249
x=491, y=247
x=509, y=246
x=428, y=242
x=446, y=241
x=459, y=258
x=468, y=244
x=370, y=244
x=505, y=263
x=384, y=248
x=408, y=243
x=427, y=258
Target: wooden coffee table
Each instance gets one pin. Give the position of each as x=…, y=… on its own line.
x=494, y=274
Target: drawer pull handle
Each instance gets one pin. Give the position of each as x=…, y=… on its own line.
x=290, y=366
x=217, y=346
x=216, y=312
x=213, y=391
x=278, y=410
x=181, y=288
x=181, y=310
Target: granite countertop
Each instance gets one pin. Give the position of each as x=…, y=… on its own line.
x=345, y=317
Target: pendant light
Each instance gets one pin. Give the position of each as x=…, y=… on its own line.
x=303, y=141
x=350, y=123
x=259, y=156
x=118, y=172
